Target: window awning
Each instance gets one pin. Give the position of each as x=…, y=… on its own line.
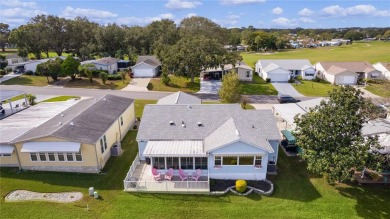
x=290, y=138
x=65, y=147
x=246, y=154
x=6, y=149
x=174, y=149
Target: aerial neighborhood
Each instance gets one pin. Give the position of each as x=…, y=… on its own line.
x=173, y=116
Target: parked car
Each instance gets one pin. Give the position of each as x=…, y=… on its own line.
x=287, y=99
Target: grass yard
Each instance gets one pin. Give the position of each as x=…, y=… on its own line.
x=312, y=88
x=377, y=51
x=178, y=83
x=97, y=84
x=60, y=98
x=379, y=89
x=140, y=105
x=19, y=97
x=28, y=80
x=257, y=87
x=297, y=195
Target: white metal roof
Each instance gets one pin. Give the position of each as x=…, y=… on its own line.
x=65, y=147
x=288, y=112
x=8, y=94
x=174, y=148
x=6, y=149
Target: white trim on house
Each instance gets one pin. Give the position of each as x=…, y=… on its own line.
x=42, y=147
x=174, y=149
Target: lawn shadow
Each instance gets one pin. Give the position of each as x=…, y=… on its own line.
x=184, y=197
x=19, y=81
x=372, y=200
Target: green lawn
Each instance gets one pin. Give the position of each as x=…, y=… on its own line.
x=140, y=104
x=359, y=51
x=257, y=87
x=60, y=98
x=379, y=89
x=311, y=88
x=178, y=83
x=28, y=80
x=297, y=195
x=19, y=97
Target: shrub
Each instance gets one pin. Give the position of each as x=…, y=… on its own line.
x=29, y=72
x=114, y=77
x=268, y=80
x=95, y=73
x=241, y=186
x=317, y=79
x=291, y=80
x=3, y=72
x=165, y=79
x=103, y=76
x=114, y=72
x=31, y=99
x=299, y=78
x=134, y=127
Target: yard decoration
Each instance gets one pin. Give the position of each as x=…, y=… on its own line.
x=241, y=186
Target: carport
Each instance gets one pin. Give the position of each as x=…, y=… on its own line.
x=7, y=95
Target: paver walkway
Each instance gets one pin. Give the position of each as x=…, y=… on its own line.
x=287, y=89
x=137, y=84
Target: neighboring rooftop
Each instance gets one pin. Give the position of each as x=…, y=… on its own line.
x=8, y=94
x=151, y=60
x=378, y=126
x=386, y=65
x=288, y=64
x=365, y=67
x=85, y=122
x=229, y=67
x=179, y=98
x=106, y=61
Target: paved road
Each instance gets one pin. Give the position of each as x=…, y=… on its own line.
x=286, y=88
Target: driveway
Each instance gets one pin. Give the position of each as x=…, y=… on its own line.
x=137, y=84
x=287, y=89
x=8, y=76
x=209, y=87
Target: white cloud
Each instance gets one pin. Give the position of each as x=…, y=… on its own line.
x=182, y=4
x=305, y=12
x=239, y=2
x=277, y=10
x=191, y=15
x=357, y=10
x=284, y=22
x=233, y=16
x=70, y=12
x=306, y=20
x=17, y=3
x=142, y=20
x=20, y=12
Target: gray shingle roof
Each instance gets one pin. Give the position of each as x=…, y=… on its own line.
x=288, y=64
x=151, y=60
x=374, y=127
x=155, y=123
x=179, y=98
x=91, y=118
x=106, y=61
x=350, y=66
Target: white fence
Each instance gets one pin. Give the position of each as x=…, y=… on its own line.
x=168, y=186
x=133, y=166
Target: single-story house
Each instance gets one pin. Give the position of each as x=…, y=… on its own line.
x=384, y=68
x=31, y=65
x=146, y=67
x=223, y=141
x=284, y=69
x=14, y=59
x=380, y=128
x=110, y=64
x=346, y=73
x=244, y=71
x=79, y=139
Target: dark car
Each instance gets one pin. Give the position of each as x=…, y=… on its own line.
x=287, y=99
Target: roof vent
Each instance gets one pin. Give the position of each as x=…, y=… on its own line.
x=171, y=122
x=253, y=126
x=183, y=125
x=237, y=133
x=182, y=122
x=60, y=123
x=189, y=106
x=200, y=124
x=71, y=123
x=104, y=99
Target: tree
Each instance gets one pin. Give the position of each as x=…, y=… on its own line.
x=4, y=34
x=353, y=35
x=201, y=26
x=70, y=67
x=87, y=70
x=123, y=76
x=164, y=76
x=330, y=135
x=3, y=62
x=110, y=39
x=54, y=67
x=103, y=76
x=29, y=39
x=230, y=89
x=82, y=39
x=386, y=35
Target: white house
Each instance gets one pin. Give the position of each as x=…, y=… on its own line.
x=284, y=69
x=222, y=141
x=244, y=71
x=346, y=73
x=14, y=59
x=384, y=68
x=146, y=67
x=110, y=64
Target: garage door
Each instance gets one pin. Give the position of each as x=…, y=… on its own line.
x=347, y=80
x=143, y=73
x=279, y=77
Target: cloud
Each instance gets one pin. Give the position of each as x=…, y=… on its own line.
x=182, y=4
x=233, y=16
x=70, y=12
x=240, y=2
x=284, y=22
x=277, y=10
x=357, y=10
x=306, y=20
x=305, y=12
x=20, y=12
x=191, y=15
x=143, y=20
x=17, y=3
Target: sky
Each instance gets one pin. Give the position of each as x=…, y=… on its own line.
x=227, y=13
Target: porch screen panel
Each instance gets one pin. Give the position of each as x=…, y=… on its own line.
x=201, y=163
x=173, y=162
x=187, y=163
x=246, y=160
x=229, y=160
x=159, y=163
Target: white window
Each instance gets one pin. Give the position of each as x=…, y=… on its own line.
x=78, y=157
x=258, y=160
x=121, y=120
x=245, y=160
x=248, y=74
x=217, y=160
x=103, y=144
x=159, y=163
x=5, y=155
x=33, y=157
x=69, y=156
x=61, y=157
x=42, y=156
x=230, y=160
x=51, y=157
x=187, y=163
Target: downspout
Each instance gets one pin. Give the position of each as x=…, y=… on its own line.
x=97, y=161
x=120, y=131
x=17, y=156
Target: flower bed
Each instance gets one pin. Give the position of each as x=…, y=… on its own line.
x=218, y=186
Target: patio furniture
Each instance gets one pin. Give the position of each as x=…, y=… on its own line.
x=197, y=175
x=24, y=105
x=156, y=175
x=182, y=175
x=17, y=107
x=169, y=174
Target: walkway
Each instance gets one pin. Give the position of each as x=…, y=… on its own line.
x=8, y=76
x=287, y=89
x=138, y=84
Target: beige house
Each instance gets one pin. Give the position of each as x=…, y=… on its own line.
x=245, y=72
x=79, y=139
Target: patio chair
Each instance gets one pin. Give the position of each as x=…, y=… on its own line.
x=197, y=175
x=182, y=175
x=169, y=174
x=156, y=175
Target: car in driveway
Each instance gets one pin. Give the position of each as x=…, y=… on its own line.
x=287, y=99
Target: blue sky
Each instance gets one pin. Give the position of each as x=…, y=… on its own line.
x=227, y=13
